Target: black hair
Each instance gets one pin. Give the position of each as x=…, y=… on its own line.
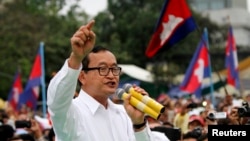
x=196, y=134
x=51, y=134
x=27, y=137
x=167, y=123
x=24, y=137
x=85, y=61
x=96, y=49
x=3, y=115
x=203, y=137
x=6, y=132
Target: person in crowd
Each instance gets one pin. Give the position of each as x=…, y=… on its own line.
x=228, y=101
x=92, y=116
x=22, y=137
x=197, y=134
x=181, y=118
x=29, y=128
x=6, y=132
x=168, y=115
x=153, y=122
x=195, y=121
x=247, y=98
x=236, y=119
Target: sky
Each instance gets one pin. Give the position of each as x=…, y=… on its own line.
x=91, y=7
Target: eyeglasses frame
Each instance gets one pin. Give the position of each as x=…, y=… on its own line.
x=98, y=68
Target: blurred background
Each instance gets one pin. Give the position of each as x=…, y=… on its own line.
x=125, y=27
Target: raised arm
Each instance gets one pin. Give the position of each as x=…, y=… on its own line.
x=82, y=42
x=62, y=87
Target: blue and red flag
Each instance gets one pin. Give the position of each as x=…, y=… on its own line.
x=232, y=60
x=197, y=70
x=174, y=24
x=30, y=95
x=15, y=91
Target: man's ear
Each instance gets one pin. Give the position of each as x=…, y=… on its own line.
x=81, y=77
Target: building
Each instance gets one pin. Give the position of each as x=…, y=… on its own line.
x=219, y=11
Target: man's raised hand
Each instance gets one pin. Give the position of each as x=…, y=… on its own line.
x=82, y=42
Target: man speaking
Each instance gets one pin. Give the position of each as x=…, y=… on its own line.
x=92, y=116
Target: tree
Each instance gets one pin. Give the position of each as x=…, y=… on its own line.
x=24, y=24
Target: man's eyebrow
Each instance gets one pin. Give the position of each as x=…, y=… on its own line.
x=103, y=63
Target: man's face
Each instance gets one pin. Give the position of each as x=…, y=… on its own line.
x=192, y=125
x=93, y=82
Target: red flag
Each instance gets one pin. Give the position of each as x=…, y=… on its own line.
x=197, y=70
x=232, y=60
x=31, y=92
x=174, y=24
x=15, y=91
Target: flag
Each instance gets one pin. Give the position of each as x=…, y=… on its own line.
x=30, y=94
x=231, y=61
x=174, y=24
x=197, y=70
x=15, y=91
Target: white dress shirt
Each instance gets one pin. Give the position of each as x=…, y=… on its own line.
x=85, y=119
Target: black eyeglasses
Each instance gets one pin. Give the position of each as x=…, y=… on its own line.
x=104, y=71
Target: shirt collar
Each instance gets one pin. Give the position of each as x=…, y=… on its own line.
x=92, y=104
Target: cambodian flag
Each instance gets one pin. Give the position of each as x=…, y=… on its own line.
x=174, y=24
x=197, y=70
x=31, y=92
x=15, y=91
x=232, y=60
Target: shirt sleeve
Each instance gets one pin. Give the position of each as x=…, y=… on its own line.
x=60, y=94
x=62, y=88
x=147, y=135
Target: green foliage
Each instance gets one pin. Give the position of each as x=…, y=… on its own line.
x=24, y=24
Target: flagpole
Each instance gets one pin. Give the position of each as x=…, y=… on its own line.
x=43, y=80
x=210, y=68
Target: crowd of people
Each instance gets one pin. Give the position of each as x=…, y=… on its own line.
x=184, y=119
x=24, y=125
x=95, y=114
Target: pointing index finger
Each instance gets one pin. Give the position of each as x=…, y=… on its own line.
x=90, y=24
